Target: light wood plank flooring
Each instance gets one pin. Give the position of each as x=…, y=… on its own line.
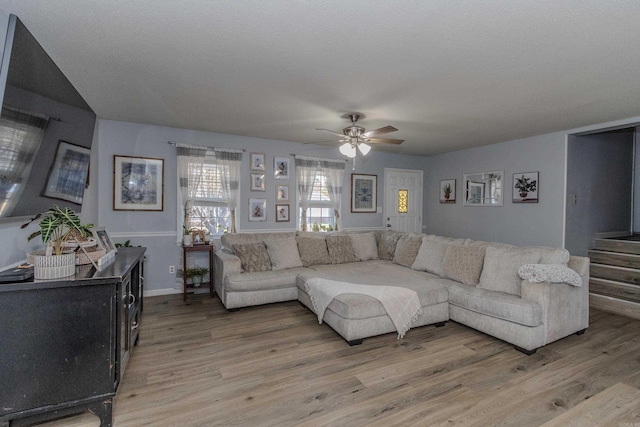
x=273, y=365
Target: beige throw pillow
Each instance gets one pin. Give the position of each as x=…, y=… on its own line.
x=430, y=256
x=313, y=251
x=253, y=257
x=387, y=244
x=283, y=253
x=463, y=263
x=406, y=250
x=364, y=246
x=340, y=249
x=500, y=270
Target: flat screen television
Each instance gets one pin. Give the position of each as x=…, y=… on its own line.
x=46, y=131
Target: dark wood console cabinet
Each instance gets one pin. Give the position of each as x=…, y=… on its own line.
x=64, y=344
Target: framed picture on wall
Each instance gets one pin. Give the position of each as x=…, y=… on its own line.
x=282, y=193
x=258, y=182
x=282, y=213
x=525, y=187
x=257, y=209
x=257, y=162
x=448, y=191
x=138, y=184
x=69, y=174
x=281, y=166
x=364, y=193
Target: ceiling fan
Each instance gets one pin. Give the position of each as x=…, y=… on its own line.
x=355, y=136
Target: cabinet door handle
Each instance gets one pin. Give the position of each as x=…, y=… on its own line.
x=132, y=299
x=134, y=325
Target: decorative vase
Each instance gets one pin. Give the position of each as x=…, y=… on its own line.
x=53, y=266
x=197, y=281
x=523, y=194
x=186, y=240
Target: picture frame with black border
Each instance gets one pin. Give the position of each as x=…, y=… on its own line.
x=364, y=193
x=282, y=213
x=138, y=183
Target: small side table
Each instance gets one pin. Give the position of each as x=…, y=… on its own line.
x=197, y=248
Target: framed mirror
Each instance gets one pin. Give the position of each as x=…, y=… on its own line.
x=483, y=188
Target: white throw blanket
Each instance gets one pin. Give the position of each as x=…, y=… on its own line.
x=401, y=304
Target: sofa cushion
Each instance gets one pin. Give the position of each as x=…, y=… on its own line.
x=364, y=246
x=253, y=257
x=548, y=255
x=496, y=304
x=430, y=256
x=340, y=249
x=313, y=251
x=500, y=269
x=229, y=239
x=283, y=253
x=387, y=244
x=262, y=280
x=431, y=290
x=463, y=263
x=406, y=250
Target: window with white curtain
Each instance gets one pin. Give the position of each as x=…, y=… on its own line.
x=319, y=184
x=209, y=182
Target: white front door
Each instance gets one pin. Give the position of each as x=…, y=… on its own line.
x=403, y=200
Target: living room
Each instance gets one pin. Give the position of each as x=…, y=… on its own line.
x=525, y=132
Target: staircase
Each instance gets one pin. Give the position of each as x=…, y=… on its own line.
x=614, y=284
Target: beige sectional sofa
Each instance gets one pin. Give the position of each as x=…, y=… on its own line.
x=471, y=282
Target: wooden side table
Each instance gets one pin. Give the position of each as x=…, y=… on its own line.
x=190, y=288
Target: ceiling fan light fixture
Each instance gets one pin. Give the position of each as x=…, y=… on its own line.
x=348, y=150
x=364, y=148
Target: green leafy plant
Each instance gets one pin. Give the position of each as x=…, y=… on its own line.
x=196, y=271
x=526, y=185
x=57, y=225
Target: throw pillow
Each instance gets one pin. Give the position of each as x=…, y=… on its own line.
x=463, y=263
x=283, y=253
x=364, y=246
x=406, y=250
x=313, y=251
x=253, y=257
x=387, y=244
x=340, y=249
x=430, y=256
x=537, y=273
x=500, y=269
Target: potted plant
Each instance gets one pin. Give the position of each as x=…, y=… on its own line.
x=57, y=227
x=196, y=274
x=525, y=185
x=186, y=236
x=447, y=191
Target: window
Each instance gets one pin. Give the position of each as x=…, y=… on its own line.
x=208, y=203
x=209, y=188
x=320, y=215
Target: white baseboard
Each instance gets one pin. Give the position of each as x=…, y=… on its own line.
x=158, y=292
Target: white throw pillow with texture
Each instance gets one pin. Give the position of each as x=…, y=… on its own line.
x=364, y=246
x=283, y=253
x=430, y=256
x=538, y=273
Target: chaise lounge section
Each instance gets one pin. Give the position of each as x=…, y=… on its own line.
x=471, y=282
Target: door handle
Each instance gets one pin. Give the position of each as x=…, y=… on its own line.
x=388, y=225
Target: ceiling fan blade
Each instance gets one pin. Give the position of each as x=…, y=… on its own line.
x=341, y=135
x=379, y=131
x=385, y=141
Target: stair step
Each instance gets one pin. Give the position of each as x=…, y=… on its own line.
x=620, y=246
x=615, y=258
x=612, y=272
x=614, y=305
x=615, y=289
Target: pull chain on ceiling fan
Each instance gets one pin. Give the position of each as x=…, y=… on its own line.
x=355, y=138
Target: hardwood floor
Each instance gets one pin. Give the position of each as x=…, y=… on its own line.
x=273, y=365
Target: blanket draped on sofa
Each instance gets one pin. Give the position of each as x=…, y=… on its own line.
x=401, y=304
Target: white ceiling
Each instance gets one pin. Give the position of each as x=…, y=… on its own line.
x=448, y=74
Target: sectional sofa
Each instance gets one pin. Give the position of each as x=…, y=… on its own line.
x=479, y=284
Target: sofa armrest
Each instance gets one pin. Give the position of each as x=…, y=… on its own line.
x=225, y=264
x=565, y=308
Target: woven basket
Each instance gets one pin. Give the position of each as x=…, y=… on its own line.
x=53, y=266
x=94, y=254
